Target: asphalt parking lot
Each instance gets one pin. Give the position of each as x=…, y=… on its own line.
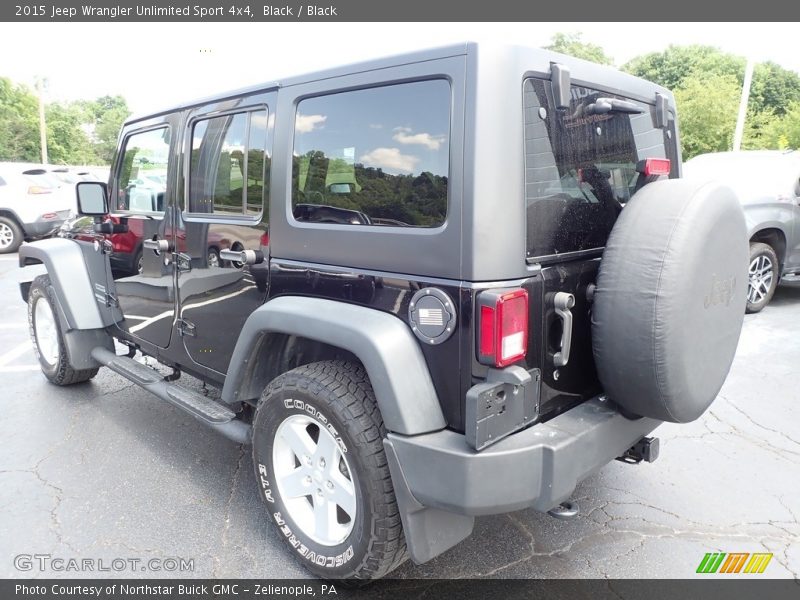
x=104, y=470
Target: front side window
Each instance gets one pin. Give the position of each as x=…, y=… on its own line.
x=143, y=172
x=376, y=156
x=229, y=164
x=581, y=166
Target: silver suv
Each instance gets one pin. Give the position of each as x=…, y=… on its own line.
x=768, y=185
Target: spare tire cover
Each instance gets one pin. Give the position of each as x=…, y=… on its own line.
x=670, y=299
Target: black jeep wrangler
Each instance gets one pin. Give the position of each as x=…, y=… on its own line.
x=463, y=280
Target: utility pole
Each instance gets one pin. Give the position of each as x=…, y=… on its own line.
x=41, y=83
x=748, y=79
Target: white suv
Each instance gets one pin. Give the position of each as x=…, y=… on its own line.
x=33, y=204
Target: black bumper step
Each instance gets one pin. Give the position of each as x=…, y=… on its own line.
x=210, y=412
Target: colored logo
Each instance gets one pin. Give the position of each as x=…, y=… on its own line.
x=734, y=562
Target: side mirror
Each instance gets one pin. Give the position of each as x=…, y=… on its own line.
x=92, y=198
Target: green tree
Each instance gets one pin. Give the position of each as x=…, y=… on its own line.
x=571, y=44
x=671, y=66
x=19, y=123
x=67, y=143
x=783, y=132
x=773, y=87
x=707, y=108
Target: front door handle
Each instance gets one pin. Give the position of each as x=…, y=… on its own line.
x=563, y=302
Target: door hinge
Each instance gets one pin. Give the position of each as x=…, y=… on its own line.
x=111, y=301
x=186, y=328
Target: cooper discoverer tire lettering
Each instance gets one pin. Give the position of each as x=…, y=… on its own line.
x=322, y=472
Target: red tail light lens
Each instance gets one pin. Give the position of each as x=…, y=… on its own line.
x=265, y=239
x=652, y=167
x=503, y=327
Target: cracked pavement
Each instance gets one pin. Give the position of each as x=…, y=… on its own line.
x=105, y=470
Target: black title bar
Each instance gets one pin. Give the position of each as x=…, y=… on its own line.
x=732, y=588
x=399, y=11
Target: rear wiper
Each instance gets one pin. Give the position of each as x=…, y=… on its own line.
x=602, y=106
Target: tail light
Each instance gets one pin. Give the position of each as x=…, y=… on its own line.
x=38, y=189
x=265, y=238
x=49, y=215
x=503, y=326
x=653, y=167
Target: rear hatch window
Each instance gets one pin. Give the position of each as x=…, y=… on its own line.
x=581, y=166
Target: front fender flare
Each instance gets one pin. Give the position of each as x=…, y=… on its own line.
x=382, y=342
x=69, y=275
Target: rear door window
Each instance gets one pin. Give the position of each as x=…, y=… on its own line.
x=581, y=167
x=377, y=156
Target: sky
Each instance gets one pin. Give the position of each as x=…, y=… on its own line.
x=156, y=65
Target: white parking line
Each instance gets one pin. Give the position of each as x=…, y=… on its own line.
x=15, y=353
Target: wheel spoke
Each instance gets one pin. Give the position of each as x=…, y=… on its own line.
x=296, y=436
x=295, y=483
x=327, y=450
x=324, y=517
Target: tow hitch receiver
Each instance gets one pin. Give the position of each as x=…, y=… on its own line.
x=646, y=449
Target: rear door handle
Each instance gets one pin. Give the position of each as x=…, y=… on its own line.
x=158, y=246
x=563, y=302
x=244, y=257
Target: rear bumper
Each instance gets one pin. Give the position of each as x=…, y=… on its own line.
x=538, y=467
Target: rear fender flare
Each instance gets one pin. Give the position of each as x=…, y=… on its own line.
x=382, y=342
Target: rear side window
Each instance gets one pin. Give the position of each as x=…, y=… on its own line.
x=228, y=168
x=376, y=156
x=143, y=172
x=581, y=168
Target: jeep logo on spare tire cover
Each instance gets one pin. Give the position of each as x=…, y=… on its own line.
x=667, y=312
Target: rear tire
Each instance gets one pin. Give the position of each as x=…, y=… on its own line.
x=762, y=276
x=347, y=525
x=11, y=236
x=48, y=341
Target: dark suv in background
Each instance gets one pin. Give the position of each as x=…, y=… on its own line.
x=484, y=280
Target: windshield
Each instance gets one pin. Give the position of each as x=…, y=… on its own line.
x=581, y=165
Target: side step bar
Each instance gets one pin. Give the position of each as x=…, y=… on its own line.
x=207, y=411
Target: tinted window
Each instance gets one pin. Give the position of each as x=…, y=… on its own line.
x=229, y=164
x=373, y=157
x=581, y=167
x=143, y=172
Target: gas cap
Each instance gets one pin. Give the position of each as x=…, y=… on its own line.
x=432, y=315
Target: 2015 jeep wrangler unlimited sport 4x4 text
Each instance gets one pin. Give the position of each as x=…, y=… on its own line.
x=464, y=280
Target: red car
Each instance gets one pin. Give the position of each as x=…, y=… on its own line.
x=126, y=247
